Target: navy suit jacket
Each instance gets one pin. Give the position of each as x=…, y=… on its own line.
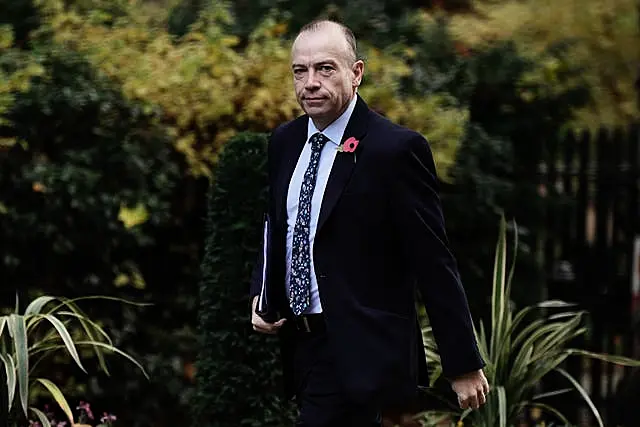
x=380, y=237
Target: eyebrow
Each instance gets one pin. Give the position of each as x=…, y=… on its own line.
x=323, y=62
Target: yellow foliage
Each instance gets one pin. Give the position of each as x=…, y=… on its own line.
x=128, y=274
x=6, y=37
x=135, y=280
x=206, y=89
x=436, y=117
x=606, y=35
x=131, y=217
x=16, y=81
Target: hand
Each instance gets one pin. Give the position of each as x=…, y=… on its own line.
x=472, y=389
x=260, y=325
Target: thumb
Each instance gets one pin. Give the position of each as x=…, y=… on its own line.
x=280, y=322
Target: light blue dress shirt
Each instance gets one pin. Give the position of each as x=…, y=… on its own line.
x=334, y=132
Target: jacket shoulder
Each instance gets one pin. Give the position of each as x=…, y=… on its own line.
x=394, y=135
x=290, y=126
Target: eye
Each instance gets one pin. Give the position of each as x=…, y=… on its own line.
x=298, y=72
x=326, y=68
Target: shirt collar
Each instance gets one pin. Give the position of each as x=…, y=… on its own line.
x=335, y=130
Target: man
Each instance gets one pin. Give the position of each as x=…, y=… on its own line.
x=354, y=227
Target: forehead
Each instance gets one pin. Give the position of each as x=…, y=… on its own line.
x=320, y=45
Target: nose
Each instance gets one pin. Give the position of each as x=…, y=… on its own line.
x=312, y=82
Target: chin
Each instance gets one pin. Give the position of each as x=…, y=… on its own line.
x=316, y=111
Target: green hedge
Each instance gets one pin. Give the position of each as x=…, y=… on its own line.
x=238, y=372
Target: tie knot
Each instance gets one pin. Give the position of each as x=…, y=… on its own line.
x=317, y=141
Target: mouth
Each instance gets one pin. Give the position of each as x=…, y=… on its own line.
x=313, y=100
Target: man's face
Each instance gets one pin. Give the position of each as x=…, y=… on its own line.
x=325, y=78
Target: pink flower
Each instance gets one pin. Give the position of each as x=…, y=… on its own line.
x=350, y=145
x=107, y=418
x=86, y=408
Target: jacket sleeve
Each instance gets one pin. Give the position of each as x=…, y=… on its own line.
x=419, y=220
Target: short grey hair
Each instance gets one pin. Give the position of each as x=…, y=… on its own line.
x=349, y=36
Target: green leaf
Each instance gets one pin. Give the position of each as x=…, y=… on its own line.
x=498, y=303
x=115, y=350
x=618, y=360
x=466, y=413
x=90, y=328
x=435, y=374
x=482, y=345
x=564, y=315
x=552, y=393
x=58, y=397
x=41, y=416
x=551, y=362
x=18, y=330
x=10, y=370
x=66, y=338
x=554, y=304
x=94, y=326
x=109, y=298
x=562, y=334
x=519, y=369
x=434, y=418
x=584, y=394
x=512, y=268
x=502, y=405
x=37, y=305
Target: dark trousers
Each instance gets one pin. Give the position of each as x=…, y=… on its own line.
x=320, y=398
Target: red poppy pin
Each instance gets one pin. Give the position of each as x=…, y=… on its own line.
x=349, y=146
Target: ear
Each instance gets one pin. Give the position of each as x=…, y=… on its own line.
x=358, y=73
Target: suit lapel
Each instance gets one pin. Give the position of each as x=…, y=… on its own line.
x=341, y=170
x=344, y=163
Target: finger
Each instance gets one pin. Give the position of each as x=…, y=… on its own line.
x=264, y=330
x=474, y=401
x=485, y=387
x=463, y=402
x=261, y=326
x=267, y=328
x=482, y=399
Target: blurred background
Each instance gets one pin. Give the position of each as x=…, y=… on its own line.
x=132, y=140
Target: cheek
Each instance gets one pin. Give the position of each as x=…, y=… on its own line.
x=337, y=86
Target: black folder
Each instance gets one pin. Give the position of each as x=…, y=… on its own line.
x=264, y=307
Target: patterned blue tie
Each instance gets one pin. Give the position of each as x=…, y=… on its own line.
x=300, y=282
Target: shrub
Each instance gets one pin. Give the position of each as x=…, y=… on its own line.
x=238, y=370
x=88, y=173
